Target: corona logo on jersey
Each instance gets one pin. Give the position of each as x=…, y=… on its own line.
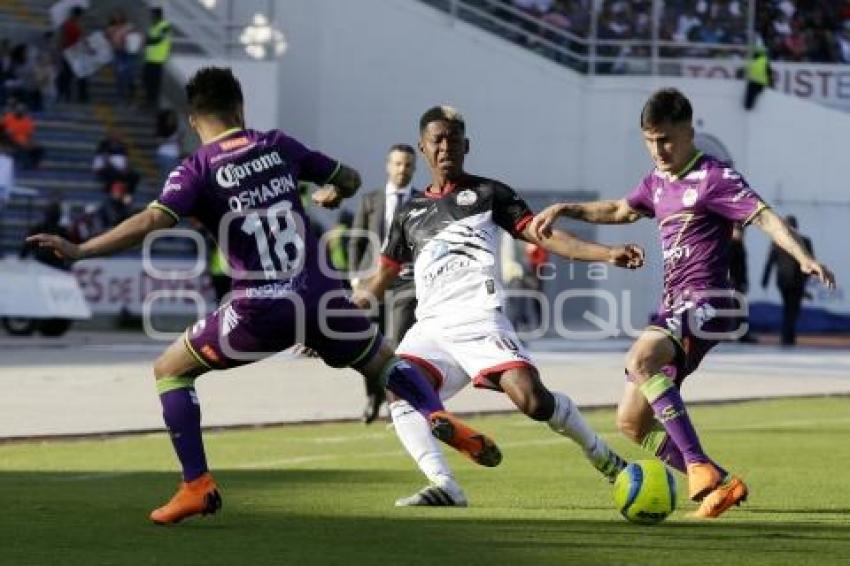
x=232, y=174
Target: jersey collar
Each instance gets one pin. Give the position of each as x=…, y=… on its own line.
x=224, y=134
x=687, y=168
x=448, y=188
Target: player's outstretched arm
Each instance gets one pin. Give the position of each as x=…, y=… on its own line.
x=126, y=235
x=569, y=246
x=787, y=238
x=596, y=212
x=342, y=185
x=373, y=289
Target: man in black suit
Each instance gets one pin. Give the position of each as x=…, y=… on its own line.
x=738, y=272
x=374, y=214
x=791, y=282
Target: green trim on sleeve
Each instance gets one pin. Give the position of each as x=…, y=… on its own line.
x=761, y=207
x=166, y=384
x=335, y=171
x=159, y=206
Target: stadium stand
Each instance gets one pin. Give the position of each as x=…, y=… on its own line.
x=802, y=30
x=70, y=133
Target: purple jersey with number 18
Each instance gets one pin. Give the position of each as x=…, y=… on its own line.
x=243, y=188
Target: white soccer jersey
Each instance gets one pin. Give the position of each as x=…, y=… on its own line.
x=452, y=240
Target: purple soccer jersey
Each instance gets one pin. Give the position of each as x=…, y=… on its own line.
x=243, y=187
x=695, y=213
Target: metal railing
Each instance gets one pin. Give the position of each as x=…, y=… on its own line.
x=213, y=31
x=591, y=53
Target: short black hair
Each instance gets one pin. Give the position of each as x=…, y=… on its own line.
x=402, y=147
x=667, y=105
x=442, y=114
x=214, y=91
x=156, y=13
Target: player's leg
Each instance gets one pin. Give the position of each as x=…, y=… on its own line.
x=175, y=372
x=414, y=432
x=523, y=386
x=421, y=350
x=343, y=336
x=407, y=382
x=637, y=422
x=653, y=350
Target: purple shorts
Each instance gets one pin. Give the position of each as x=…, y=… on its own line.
x=248, y=329
x=696, y=326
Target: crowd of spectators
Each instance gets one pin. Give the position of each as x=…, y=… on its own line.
x=792, y=30
x=43, y=71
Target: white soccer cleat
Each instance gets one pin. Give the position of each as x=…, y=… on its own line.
x=449, y=495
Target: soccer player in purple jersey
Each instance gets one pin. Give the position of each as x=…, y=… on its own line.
x=696, y=199
x=242, y=186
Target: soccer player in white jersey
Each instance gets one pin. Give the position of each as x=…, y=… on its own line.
x=451, y=234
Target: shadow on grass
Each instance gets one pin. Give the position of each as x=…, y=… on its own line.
x=303, y=517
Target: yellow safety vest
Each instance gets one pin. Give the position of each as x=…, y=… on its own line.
x=757, y=70
x=158, y=52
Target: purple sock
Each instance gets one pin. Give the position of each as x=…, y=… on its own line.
x=407, y=382
x=670, y=411
x=182, y=416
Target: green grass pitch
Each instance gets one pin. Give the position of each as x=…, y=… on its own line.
x=323, y=494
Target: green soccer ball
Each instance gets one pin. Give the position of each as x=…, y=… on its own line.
x=645, y=492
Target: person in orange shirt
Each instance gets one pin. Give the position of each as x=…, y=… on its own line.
x=18, y=130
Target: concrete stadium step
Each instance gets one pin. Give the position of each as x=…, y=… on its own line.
x=66, y=166
x=90, y=127
x=44, y=184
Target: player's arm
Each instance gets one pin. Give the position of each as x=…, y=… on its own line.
x=128, y=234
x=569, y=246
x=342, y=184
x=373, y=289
x=787, y=238
x=597, y=212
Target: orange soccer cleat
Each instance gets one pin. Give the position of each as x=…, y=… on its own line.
x=703, y=478
x=479, y=448
x=199, y=496
x=731, y=492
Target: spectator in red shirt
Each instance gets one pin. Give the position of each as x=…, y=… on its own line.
x=70, y=33
x=18, y=129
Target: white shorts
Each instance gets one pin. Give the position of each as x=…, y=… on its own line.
x=475, y=351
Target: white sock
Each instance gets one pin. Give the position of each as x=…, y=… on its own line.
x=415, y=434
x=568, y=421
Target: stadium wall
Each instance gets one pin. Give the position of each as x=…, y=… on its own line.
x=358, y=74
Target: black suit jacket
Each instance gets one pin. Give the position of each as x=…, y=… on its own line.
x=370, y=216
